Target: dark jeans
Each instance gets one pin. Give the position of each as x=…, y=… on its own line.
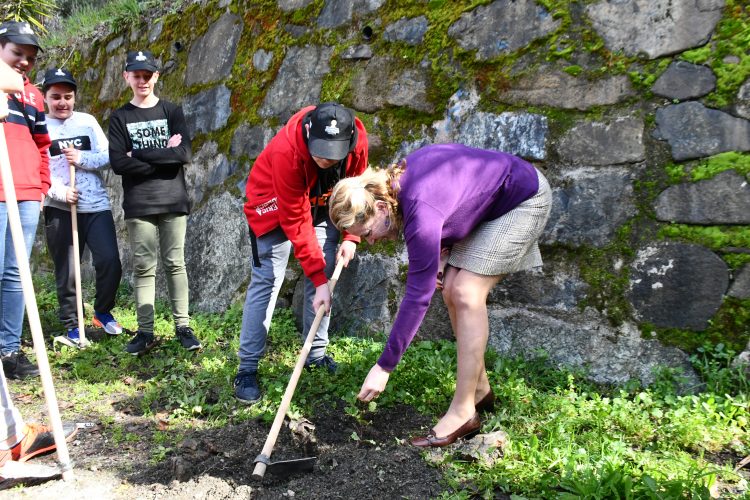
x=97, y=231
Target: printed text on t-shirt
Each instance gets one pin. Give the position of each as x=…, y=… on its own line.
x=150, y=134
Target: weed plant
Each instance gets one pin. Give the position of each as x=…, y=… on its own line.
x=569, y=438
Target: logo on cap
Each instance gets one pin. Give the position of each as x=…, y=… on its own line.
x=140, y=56
x=60, y=72
x=25, y=29
x=332, y=129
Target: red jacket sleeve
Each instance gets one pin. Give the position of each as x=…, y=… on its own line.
x=293, y=199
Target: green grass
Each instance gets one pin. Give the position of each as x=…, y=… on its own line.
x=569, y=438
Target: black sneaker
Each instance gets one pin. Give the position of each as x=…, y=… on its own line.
x=141, y=343
x=326, y=362
x=246, y=388
x=187, y=338
x=16, y=365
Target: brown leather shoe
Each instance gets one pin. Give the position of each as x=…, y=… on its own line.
x=487, y=403
x=471, y=426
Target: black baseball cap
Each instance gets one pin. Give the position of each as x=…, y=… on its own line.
x=141, y=59
x=58, y=75
x=19, y=33
x=331, y=131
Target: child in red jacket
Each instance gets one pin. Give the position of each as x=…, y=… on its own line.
x=287, y=194
x=26, y=135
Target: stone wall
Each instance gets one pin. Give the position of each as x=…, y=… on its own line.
x=636, y=111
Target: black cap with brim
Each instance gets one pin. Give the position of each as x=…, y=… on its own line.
x=141, y=60
x=19, y=33
x=331, y=132
x=58, y=75
x=328, y=148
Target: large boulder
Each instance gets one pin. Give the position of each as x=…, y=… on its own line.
x=677, y=285
x=656, y=28
x=212, y=56
x=723, y=199
x=604, y=143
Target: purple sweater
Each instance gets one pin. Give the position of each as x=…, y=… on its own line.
x=446, y=191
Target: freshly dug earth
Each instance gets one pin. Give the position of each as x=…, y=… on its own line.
x=218, y=463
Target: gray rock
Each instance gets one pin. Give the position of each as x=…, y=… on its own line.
x=562, y=90
x=410, y=31
x=654, y=28
x=743, y=360
x=262, y=59
x=584, y=340
x=298, y=82
x=683, y=80
x=338, y=12
x=604, y=143
x=212, y=55
x=589, y=207
x=740, y=288
x=695, y=131
x=115, y=43
x=208, y=110
x=557, y=286
x=521, y=134
x=362, y=51
x=155, y=32
x=383, y=81
x=723, y=199
x=486, y=449
x=742, y=105
x=502, y=27
x=113, y=84
x=290, y=5
x=209, y=168
x=731, y=59
x=217, y=255
x=676, y=285
x=249, y=141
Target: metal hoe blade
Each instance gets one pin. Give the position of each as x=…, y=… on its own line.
x=284, y=468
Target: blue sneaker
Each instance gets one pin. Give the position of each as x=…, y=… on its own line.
x=107, y=322
x=326, y=362
x=74, y=336
x=246, y=388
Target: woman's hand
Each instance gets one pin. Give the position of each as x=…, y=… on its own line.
x=374, y=384
x=71, y=196
x=346, y=251
x=72, y=155
x=322, y=298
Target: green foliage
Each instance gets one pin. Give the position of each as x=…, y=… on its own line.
x=569, y=438
x=731, y=38
x=31, y=11
x=713, y=237
x=87, y=17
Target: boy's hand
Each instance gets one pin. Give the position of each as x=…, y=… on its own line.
x=174, y=141
x=71, y=196
x=72, y=155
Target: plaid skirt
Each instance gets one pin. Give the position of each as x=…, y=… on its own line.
x=509, y=243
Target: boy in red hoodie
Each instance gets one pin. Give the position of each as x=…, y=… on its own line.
x=27, y=144
x=287, y=206
x=26, y=135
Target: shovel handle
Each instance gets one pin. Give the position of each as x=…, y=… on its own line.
x=261, y=465
x=77, y=262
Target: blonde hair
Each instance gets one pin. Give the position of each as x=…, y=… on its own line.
x=353, y=199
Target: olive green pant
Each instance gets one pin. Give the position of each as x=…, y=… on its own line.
x=167, y=231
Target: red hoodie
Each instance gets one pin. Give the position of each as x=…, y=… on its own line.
x=29, y=161
x=278, y=191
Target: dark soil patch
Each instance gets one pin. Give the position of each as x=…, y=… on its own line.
x=218, y=463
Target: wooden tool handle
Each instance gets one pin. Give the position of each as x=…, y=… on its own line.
x=14, y=221
x=77, y=263
x=260, y=466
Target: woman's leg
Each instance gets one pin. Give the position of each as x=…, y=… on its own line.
x=467, y=294
x=483, y=383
